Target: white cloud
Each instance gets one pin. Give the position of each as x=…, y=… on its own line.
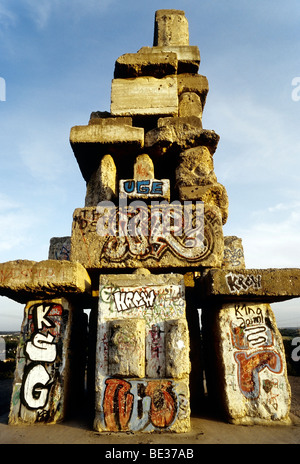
x=16, y=222
x=271, y=238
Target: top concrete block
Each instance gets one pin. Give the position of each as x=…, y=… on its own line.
x=24, y=280
x=262, y=285
x=170, y=28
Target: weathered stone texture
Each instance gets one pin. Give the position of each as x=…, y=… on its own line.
x=233, y=253
x=246, y=365
x=143, y=168
x=171, y=28
x=195, y=83
x=177, y=349
x=264, y=285
x=142, y=333
x=144, y=96
x=60, y=248
x=23, y=280
x=154, y=248
x=188, y=57
x=101, y=137
x=210, y=194
x=102, y=184
x=180, y=134
x=127, y=348
x=195, y=167
x=146, y=63
x=190, y=105
x=43, y=375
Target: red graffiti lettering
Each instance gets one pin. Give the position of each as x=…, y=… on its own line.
x=163, y=404
x=117, y=404
x=251, y=365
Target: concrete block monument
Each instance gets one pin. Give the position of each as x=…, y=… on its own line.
x=147, y=250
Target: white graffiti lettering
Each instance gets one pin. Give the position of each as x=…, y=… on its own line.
x=36, y=387
x=241, y=283
x=41, y=348
x=128, y=300
x=41, y=317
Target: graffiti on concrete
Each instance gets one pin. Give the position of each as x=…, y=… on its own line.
x=128, y=300
x=40, y=359
x=151, y=303
x=254, y=351
x=142, y=405
x=241, y=283
x=148, y=232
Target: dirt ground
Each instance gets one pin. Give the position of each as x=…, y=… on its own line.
x=204, y=430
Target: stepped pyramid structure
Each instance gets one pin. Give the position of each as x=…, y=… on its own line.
x=146, y=251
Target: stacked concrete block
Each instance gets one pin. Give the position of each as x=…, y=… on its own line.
x=142, y=365
x=49, y=369
x=102, y=238
x=153, y=204
x=245, y=357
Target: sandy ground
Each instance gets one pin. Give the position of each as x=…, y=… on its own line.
x=205, y=430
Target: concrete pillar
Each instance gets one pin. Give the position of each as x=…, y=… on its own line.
x=170, y=28
x=142, y=354
x=45, y=368
x=245, y=364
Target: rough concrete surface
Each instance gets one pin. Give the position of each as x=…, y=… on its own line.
x=207, y=429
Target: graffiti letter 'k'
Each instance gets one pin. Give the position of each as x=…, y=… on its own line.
x=40, y=317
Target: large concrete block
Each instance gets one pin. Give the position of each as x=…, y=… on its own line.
x=23, y=280
x=144, y=96
x=264, y=285
x=143, y=238
x=133, y=306
x=145, y=63
x=246, y=367
x=43, y=375
x=180, y=134
x=101, y=137
x=188, y=56
x=190, y=105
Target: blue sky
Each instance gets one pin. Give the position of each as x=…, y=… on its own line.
x=57, y=59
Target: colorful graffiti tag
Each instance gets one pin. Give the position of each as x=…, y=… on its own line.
x=40, y=361
x=254, y=351
x=142, y=405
